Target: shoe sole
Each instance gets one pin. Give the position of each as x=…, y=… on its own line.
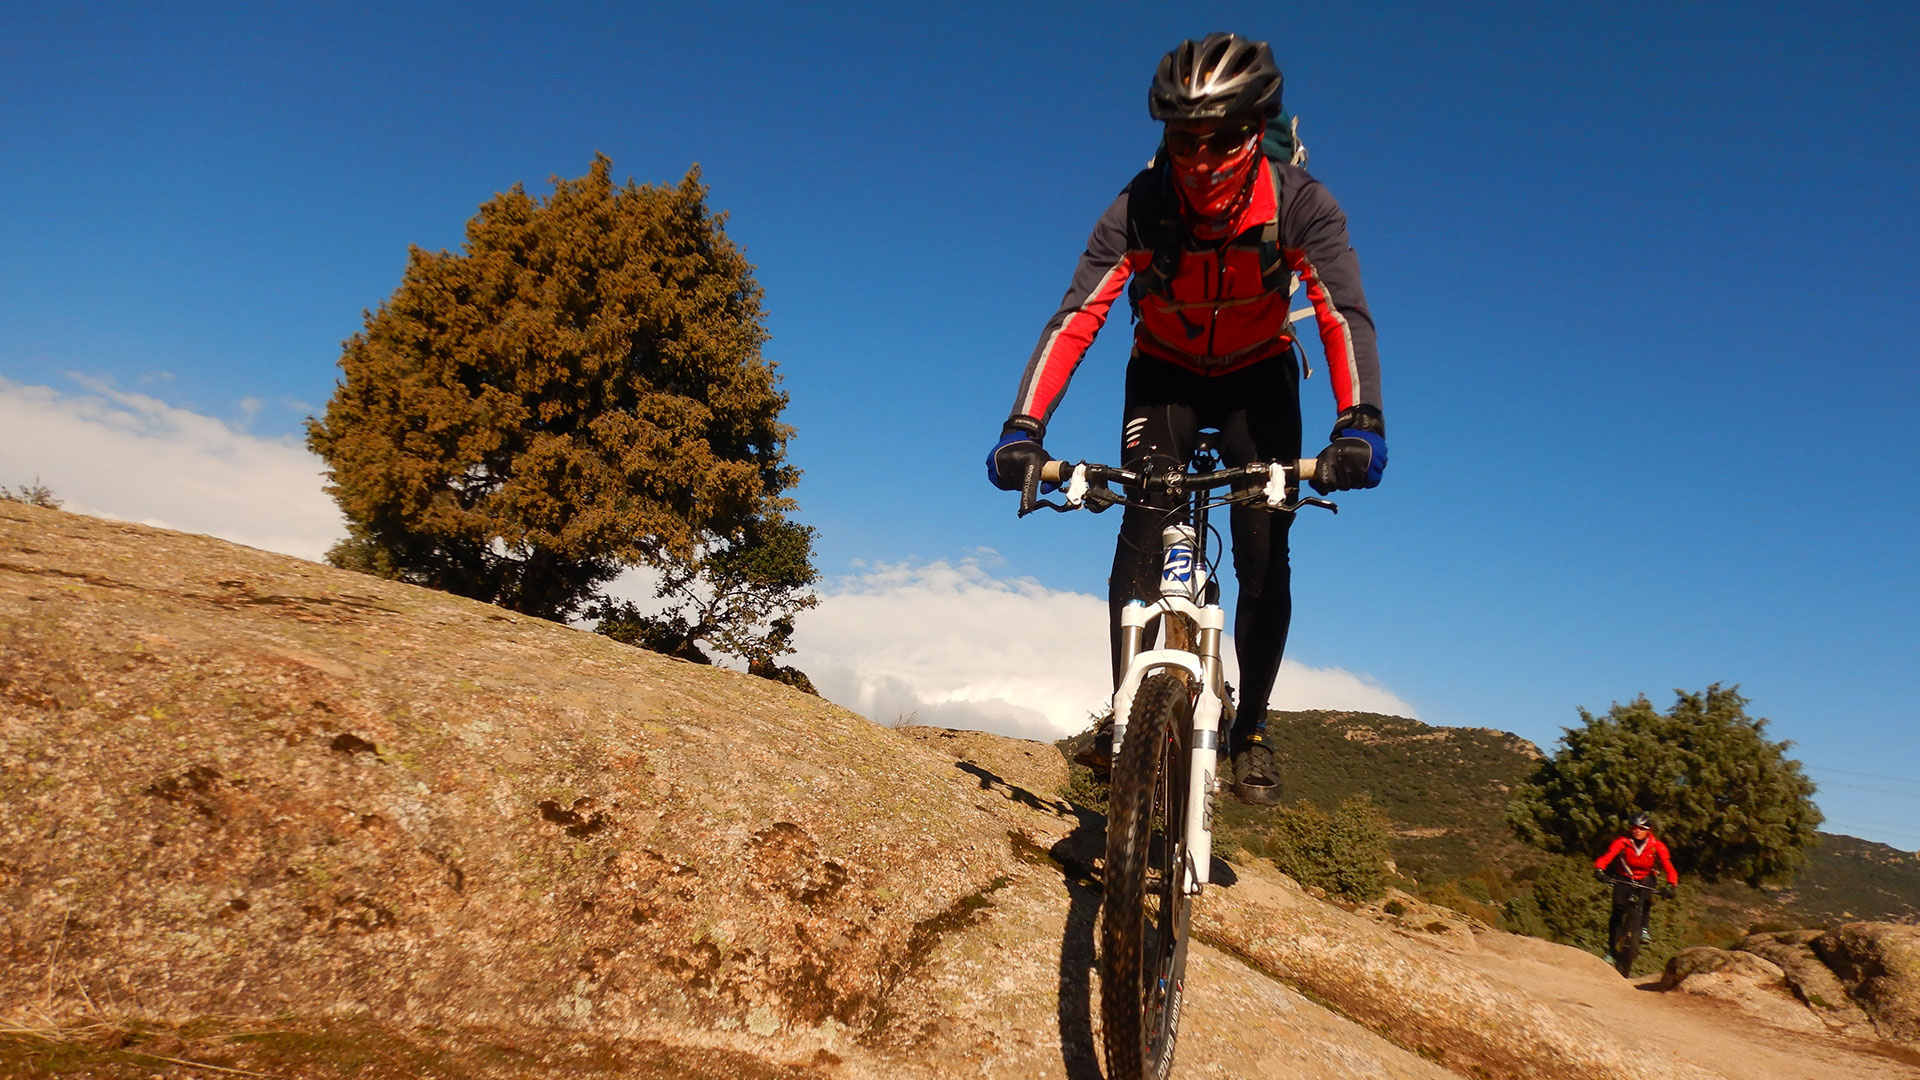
x=1257, y=794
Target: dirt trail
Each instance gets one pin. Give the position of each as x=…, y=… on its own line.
x=1301, y=988
x=1716, y=1035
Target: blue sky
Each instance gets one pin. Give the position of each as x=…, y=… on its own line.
x=1644, y=277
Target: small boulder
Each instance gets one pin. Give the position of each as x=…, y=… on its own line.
x=1879, y=964
x=1755, y=985
x=1812, y=981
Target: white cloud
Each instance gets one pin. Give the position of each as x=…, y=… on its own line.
x=132, y=457
x=954, y=646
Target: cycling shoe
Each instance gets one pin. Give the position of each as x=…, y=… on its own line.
x=1093, y=748
x=1256, y=776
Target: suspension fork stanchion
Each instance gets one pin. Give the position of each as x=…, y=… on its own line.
x=1132, y=635
x=1203, y=755
x=1203, y=752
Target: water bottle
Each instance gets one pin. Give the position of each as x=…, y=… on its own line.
x=1180, y=573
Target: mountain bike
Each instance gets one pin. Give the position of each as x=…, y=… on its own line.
x=1626, y=943
x=1171, y=719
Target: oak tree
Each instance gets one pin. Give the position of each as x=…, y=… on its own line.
x=1727, y=800
x=578, y=390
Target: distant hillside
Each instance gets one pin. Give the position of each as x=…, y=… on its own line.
x=1850, y=878
x=1446, y=791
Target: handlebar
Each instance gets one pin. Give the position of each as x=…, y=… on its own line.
x=1057, y=472
x=1088, y=485
x=1616, y=879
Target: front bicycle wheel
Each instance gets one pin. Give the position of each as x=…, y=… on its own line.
x=1626, y=947
x=1143, y=937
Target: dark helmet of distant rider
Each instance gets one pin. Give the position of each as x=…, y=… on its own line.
x=1215, y=95
x=1641, y=820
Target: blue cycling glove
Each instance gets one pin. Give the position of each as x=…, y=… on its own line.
x=1017, y=451
x=1356, y=456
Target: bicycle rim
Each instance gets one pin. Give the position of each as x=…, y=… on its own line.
x=1144, y=922
x=1627, y=946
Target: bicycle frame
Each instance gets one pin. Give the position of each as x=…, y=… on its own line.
x=1199, y=610
x=1144, y=934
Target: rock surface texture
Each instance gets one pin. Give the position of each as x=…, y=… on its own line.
x=263, y=816
x=1753, y=983
x=1879, y=965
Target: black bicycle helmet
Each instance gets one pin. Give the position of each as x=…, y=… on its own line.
x=1641, y=820
x=1218, y=76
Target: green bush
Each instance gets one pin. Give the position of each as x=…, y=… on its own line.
x=1467, y=896
x=1344, y=852
x=1083, y=789
x=1565, y=905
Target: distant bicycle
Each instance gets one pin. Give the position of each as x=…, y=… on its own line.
x=1170, y=725
x=1628, y=939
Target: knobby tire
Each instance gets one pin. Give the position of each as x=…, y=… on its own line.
x=1626, y=947
x=1143, y=937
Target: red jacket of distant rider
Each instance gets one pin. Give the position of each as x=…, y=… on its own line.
x=1639, y=858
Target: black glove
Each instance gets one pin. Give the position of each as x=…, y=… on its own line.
x=1017, y=451
x=1602, y=876
x=1356, y=453
x=1666, y=892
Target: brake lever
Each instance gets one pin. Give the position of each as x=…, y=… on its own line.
x=1310, y=500
x=1047, y=504
x=1030, y=488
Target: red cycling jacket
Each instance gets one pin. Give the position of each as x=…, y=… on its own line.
x=1219, y=310
x=1639, y=858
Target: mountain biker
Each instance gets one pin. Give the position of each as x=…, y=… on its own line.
x=1631, y=858
x=1211, y=234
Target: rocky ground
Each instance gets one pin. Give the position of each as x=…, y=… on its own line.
x=262, y=817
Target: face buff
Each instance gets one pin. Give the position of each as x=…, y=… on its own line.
x=1213, y=183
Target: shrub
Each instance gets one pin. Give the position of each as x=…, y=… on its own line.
x=1081, y=789
x=34, y=494
x=1565, y=905
x=1344, y=852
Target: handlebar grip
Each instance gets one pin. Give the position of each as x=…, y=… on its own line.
x=1307, y=467
x=1056, y=472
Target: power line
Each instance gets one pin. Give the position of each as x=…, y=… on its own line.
x=1868, y=787
x=1875, y=829
x=1897, y=826
x=1869, y=775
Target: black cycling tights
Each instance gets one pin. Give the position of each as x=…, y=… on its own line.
x=1257, y=412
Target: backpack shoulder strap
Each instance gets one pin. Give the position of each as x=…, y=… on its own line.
x=1159, y=221
x=1274, y=274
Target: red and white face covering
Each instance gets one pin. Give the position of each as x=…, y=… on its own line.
x=1214, y=181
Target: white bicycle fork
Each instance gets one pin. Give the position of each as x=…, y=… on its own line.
x=1203, y=664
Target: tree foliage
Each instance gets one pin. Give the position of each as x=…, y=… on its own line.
x=578, y=390
x=1564, y=904
x=1726, y=799
x=738, y=597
